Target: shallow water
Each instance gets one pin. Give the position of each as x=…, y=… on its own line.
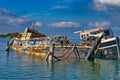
x=21, y=66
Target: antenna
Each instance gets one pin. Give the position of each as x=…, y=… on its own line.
x=33, y=22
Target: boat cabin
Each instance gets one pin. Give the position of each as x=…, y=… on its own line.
x=109, y=45
x=85, y=35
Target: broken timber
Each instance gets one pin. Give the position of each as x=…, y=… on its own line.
x=8, y=44
x=93, y=50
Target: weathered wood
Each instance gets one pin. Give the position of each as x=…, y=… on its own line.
x=50, y=55
x=93, y=51
x=8, y=44
x=77, y=53
x=118, y=48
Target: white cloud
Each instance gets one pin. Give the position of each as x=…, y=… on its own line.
x=99, y=24
x=11, y=22
x=110, y=2
x=59, y=7
x=65, y=24
x=38, y=23
x=9, y=19
x=106, y=4
x=3, y=10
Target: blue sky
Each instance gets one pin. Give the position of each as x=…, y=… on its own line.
x=59, y=17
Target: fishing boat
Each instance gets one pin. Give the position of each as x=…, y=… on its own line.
x=109, y=44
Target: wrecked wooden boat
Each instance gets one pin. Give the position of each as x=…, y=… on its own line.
x=85, y=50
x=35, y=43
x=109, y=45
x=38, y=44
x=95, y=43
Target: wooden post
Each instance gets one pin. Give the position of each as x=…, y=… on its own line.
x=92, y=51
x=118, y=49
x=65, y=40
x=77, y=52
x=7, y=46
x=51, y=52
x=50, y=56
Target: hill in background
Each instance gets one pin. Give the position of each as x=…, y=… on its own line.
x=9, y=35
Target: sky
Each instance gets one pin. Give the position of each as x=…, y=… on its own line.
x=59, y=17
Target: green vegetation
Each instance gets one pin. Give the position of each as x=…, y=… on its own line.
x=9, y=35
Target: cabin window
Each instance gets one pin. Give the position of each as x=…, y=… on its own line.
x=114, y=50
x=87, y=34
x=108, y=43
x=107, y=33
x=82, y=36
x=47, y=39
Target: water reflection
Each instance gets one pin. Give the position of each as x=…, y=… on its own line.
x=117, y=71
x=16, y=65
x=7, y=55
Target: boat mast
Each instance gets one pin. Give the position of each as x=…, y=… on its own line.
x=33, y=22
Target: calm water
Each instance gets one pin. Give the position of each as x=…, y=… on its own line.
x=20, y=66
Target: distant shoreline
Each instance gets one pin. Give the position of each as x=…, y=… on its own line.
x=9, y=35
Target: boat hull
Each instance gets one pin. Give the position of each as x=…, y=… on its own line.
x=109, y=49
